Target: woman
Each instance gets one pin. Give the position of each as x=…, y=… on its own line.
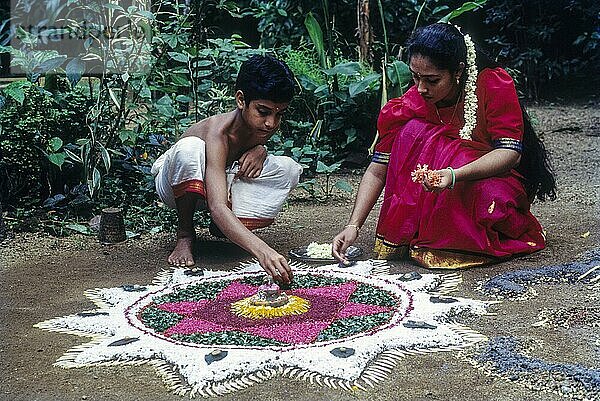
x=462, y=119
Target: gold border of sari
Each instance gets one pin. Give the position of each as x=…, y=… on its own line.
x=444, y=259
x=387, y=250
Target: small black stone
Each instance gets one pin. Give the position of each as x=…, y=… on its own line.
x=417, y=324
x=442, y=300
x=342, y=352
x=133, y=288
x=91, y=313
x=123, y=341
x=210, y=358
x=410, y=276
x=196, y=271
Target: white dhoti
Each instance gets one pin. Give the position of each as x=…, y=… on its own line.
x=255, y=201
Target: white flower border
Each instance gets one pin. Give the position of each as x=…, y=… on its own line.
x=186, y=372
x=470, y=107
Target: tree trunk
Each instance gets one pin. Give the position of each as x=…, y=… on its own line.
x=365, y=33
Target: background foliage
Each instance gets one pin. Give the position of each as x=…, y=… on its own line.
x=72, y=144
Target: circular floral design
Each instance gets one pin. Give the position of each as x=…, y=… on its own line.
x=362, y=319
x=204, y=312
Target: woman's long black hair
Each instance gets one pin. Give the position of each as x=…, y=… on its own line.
x=444, y=45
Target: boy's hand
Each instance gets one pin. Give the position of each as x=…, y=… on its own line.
x=251, y=163
x=276, y=265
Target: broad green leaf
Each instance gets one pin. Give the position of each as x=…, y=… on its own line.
x=105, y=157
x=177, y=56
x=203, y=63
x=55, y=143
x=74, y=70
x=316, y=36
x=322, y=167
x=351, y=135
x=164, y=100
x=183, y=98
x=79, y=228
x=468, y=6
x=349, y=68
x=145, y=92
x=15, y=92
x=146, y=14
x=343, y=185
x=57, y=158
x=155, y=230
x=439, y=9
x=95, y=180
x=52, y=63
x=180, y=80
x=399, y=73
x=356, y=88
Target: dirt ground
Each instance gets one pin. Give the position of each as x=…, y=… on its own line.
x=43, y=277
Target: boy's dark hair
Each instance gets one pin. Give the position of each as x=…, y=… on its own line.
x=265, y=77
x=445, y=46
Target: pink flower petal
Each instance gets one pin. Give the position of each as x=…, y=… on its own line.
x=295, y=333
x=237, y=290
x=183, y=307
x=338, y=292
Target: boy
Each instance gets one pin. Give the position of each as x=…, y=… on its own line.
x=221, y=162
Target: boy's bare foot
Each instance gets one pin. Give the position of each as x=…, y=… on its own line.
x=182, y=255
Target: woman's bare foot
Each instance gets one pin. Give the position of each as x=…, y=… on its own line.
x=182, y=255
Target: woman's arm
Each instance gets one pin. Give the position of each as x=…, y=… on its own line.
x=369, y=190
x=493, y=163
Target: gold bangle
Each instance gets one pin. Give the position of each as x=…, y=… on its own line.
x=353, y=225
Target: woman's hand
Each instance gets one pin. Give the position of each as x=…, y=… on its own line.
x=444, y=181
x=251, y=162
x=342, y=241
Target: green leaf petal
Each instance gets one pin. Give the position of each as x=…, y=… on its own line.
x=343, y=185
x=316, y=36
x=57, y=158
x=55, y=143
x=177, y=56
x=79, y=228
x=349, y=68
x=356, y=88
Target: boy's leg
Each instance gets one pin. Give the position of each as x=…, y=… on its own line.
x=179, y=179
x=186, y=205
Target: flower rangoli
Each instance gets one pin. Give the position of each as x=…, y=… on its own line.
x=339, y=327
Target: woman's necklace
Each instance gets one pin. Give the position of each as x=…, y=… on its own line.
x=453, y=113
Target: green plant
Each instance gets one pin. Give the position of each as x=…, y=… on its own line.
x=323, y=192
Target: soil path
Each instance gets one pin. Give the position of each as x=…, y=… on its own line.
x=43, y=277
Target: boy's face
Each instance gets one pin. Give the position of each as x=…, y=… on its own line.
x=262, y=116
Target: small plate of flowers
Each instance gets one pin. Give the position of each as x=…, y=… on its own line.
x=315, y=252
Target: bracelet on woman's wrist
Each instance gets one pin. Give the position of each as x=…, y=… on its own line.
x=451, y=186
x=356, y=227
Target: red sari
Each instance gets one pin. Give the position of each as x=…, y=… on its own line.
x=475, y=223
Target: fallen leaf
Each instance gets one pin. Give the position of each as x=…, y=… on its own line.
x=585, y=234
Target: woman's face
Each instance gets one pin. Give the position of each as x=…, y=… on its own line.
x=439, y=87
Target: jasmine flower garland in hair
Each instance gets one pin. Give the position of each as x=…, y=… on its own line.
x=470, y=111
